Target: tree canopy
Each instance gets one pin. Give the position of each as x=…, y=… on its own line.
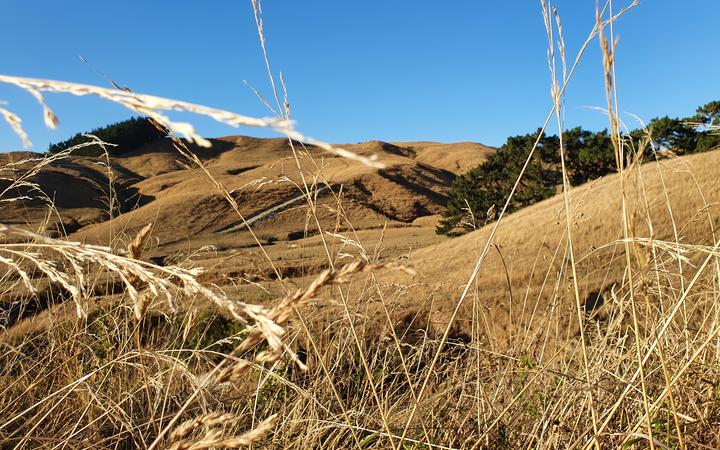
x=588, y=155
x=126, y=135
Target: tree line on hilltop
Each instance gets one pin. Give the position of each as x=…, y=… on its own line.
x=477, y=194
x=126, y=135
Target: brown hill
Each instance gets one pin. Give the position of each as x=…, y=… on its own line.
x=262, y=174
x=525, y=277
x=457, y=157
x=78, y=187
x=266, y=179
x=157, y=184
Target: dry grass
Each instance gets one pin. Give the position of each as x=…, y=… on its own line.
x=590, y=320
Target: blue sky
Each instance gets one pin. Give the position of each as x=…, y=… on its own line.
x=355, y=70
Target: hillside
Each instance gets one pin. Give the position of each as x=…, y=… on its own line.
x=154, y=181
x=156, y=184
x=457, y=158
x=78, y=187
x=681, y=195
x=392, y=210
x=261, y=174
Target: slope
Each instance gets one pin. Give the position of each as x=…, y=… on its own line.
x=458, y=157
x=524, y=278
x=260, y=174
x=65, y=195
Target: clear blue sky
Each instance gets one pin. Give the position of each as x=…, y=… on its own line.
x=356, y=70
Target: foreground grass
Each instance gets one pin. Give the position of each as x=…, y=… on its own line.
x=113, y=381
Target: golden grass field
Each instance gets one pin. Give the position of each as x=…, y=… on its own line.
x=289, y=293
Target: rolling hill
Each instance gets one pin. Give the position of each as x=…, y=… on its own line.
x=191, y=213
x=525, y=278
x=387, y=213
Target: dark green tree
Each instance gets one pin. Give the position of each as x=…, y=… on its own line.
x=708, y=140
x=127, y=135
x=708, y=116
x=485, y=187
x=588, y=155
x=673, y=134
